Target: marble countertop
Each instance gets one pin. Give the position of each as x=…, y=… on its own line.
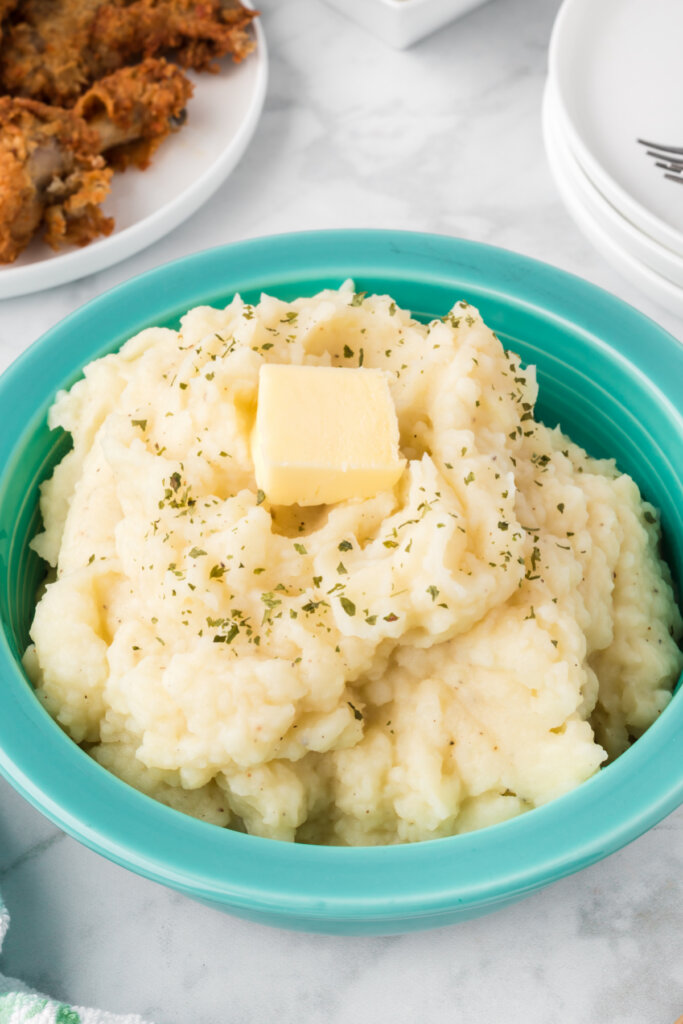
x=444, y=137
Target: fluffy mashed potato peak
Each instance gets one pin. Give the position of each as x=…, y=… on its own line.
x=453, y=651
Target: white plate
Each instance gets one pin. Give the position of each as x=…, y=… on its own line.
x=623, y=233
x=646, y=280
x=616, y=67
x=186, y=169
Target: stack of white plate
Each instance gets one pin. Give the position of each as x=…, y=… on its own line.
x=616, y=77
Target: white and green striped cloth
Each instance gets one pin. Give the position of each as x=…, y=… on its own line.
x=19, y=1004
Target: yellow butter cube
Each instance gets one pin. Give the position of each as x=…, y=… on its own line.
x=324, y=434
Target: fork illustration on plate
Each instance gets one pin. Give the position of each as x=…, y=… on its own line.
x=669, y=158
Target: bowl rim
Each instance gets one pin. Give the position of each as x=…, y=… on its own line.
x=341, y=884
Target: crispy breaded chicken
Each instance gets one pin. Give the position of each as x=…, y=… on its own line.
x=52, y=172
x=45, y=50
x=6, y=6
x=134, y=109
x=197, y=33
x=54, y=49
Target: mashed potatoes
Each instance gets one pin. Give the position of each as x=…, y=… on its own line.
x=442, y=656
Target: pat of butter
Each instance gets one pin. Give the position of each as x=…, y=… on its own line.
x=324, y=434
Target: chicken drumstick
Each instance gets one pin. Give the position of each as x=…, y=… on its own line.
x=51, y=168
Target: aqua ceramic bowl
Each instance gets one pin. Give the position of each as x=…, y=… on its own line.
x=610, y=376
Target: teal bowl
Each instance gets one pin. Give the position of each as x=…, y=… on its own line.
x=612, y=378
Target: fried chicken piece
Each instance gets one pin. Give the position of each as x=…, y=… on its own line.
x=59, y=47
x=51, y=173
x=134, y=109
x=6, y=7
x=51, y=168
x=197, y=32
x=45, y=51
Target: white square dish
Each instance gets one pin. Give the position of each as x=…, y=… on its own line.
x=402, y=22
